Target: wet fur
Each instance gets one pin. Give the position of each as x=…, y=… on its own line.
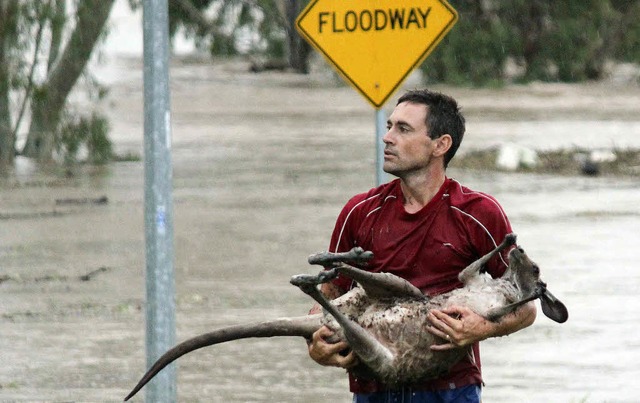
x=384, y=318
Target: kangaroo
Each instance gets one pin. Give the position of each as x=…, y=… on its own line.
x=384, y=317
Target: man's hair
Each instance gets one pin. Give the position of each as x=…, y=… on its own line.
x=443, y=117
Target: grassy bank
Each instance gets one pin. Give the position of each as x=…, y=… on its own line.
x=617, y=162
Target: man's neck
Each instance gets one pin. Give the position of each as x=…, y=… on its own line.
x=419, y=190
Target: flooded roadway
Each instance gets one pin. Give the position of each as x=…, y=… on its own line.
x=262, y=166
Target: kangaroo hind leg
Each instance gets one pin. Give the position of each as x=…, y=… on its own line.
x=376, y=285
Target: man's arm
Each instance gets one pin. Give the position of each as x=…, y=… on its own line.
x=461, y=326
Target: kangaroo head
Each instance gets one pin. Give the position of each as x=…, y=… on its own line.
x=526, y=276
x=525, y=272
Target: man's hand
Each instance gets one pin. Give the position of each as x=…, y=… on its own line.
x=460, y=326
x=328, y=354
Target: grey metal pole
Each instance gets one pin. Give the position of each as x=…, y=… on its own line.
x=381, y=129
x=158, y=212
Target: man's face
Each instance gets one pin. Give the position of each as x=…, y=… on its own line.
x=408, y=148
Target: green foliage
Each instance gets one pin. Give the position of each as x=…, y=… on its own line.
x=234, y=26
x=576, y=32
x=552, y=40
x=470, y=56
x=91, y=132
x=98, y=143
x=629, y=49
x=33, y=42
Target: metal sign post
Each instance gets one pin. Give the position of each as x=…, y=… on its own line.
x=158, y=211
x=381, y=126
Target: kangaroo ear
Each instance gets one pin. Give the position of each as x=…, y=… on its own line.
x=553, y=308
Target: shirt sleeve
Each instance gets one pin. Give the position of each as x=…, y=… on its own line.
x=489, y=231
x=342, y=238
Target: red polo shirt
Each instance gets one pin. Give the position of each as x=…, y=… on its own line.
x=428, y=248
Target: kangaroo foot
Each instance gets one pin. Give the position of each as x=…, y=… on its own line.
x=355, y=255
x=307, y=281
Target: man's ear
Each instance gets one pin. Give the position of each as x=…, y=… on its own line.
x=443, y=144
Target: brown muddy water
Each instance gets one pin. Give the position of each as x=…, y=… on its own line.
x=262, y=166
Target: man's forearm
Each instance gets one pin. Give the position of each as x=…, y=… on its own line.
x=518, y=320
x=461, y=326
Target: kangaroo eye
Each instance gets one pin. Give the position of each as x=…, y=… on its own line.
x=536, y=269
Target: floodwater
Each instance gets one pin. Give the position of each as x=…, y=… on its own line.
x=262, y=166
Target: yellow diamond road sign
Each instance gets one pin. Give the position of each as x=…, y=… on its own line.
x=376, y=44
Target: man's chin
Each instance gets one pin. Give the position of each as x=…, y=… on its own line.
x=390, y=171
x=389, y=168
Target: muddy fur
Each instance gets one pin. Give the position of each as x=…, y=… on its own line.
x=384, y=318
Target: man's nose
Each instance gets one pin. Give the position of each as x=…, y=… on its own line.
x=388, y=137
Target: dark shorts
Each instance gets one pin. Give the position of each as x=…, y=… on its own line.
x=464, y=394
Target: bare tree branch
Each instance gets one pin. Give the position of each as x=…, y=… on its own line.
x=30, y=83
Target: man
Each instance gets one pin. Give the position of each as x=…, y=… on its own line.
x=426, y=228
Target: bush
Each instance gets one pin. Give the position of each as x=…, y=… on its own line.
x=89, y=131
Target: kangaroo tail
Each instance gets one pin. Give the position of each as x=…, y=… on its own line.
x=301, y=326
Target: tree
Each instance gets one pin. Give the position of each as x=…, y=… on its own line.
x=261, y=29
x=551, y=40
x=299, y=49
x=622, y=39
x=8, y=34
x=49, y=98
x=39, y=66
x=474, y=51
